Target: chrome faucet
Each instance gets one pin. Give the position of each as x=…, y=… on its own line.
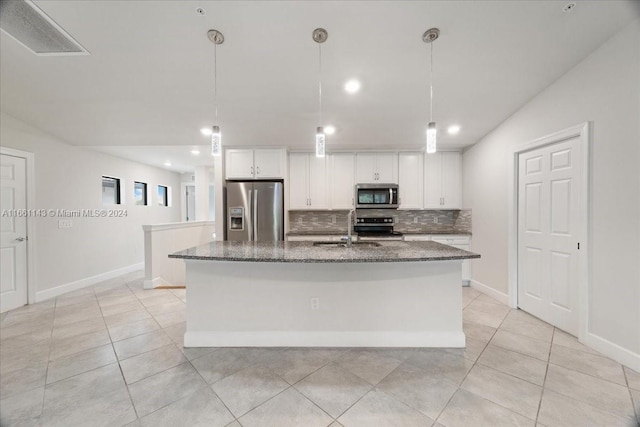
x=348, y=238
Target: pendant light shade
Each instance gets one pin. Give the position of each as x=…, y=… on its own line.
x=320, y=36
x=320, y=142
x=431, y=137
x=430, y=36
x=216, y=141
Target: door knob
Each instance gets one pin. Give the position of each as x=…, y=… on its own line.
x=20, y=239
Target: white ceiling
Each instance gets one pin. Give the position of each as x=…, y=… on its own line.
x=147, y=87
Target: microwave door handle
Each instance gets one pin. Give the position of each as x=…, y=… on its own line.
x=391, y=196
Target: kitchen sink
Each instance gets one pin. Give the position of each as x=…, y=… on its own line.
x=344, y=244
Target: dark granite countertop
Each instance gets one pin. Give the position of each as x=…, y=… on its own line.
x=306, y=252
x=452, y=232
x=319, y=233
x=342, y=233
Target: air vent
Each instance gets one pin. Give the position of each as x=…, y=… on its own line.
x=31, y=27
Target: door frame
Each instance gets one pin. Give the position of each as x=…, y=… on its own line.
x=582, y=132
x=31, y=220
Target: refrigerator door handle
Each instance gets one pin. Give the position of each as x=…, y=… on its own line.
x=255, y=215
x=250, y=217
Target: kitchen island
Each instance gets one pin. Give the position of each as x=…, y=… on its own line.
x=287, y=294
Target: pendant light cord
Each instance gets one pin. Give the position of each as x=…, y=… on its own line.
x=215, y=79
x=319, y=84
x=431, y=85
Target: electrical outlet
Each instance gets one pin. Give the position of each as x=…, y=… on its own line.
x=315, y=303
x=435, y=219
x=65, y=223
x=333, y=219
x=415, y=219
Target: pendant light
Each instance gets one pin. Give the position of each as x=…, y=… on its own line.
x=320, y=36
x=430, y=36
x=216, y=38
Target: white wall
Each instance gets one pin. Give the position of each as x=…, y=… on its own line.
x=605, y=90
x=69, y=177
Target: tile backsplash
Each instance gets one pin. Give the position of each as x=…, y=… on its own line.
x=454, y=221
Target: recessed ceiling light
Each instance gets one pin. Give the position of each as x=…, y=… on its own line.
x=206, y=131
x=195, y=152
x=454, y=129
x=569, y=7
x=329, y=130
x=352, y=86
x=167, y=163
x=201, y=11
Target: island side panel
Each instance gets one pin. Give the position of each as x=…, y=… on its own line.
x=387, y=304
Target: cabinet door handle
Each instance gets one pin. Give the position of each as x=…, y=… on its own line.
x=251, y=170
x=258, y=170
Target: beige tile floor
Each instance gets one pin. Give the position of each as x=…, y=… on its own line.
x=112, y=355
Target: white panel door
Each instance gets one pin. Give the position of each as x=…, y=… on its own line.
x=239, y=164
x=433, y=181
x=342, y=180
x=387, y=168
x=366, y=172
x=451, y=180
x=410, y=180
x=317, y=177
x=13, y=233
x=268, y=163
x=298, y=185
x=549, y=187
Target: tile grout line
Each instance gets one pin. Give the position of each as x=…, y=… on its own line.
x=135, y=410
x=335, y=419
x=636, y=409
x=474, y=363
x=473, y=366
x=546, y=372
x=46, y=375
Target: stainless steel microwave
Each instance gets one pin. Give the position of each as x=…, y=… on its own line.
x=376, y=196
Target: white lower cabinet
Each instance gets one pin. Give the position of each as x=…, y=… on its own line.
x=455, y=240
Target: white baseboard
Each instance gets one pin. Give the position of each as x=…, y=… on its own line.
x=489, y=291
x=305, y=338
x=612, y=350
x=154, y=283
x=87, y=281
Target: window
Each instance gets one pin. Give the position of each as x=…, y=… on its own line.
x=110, y=191
x=163, y=195
x=140, y=193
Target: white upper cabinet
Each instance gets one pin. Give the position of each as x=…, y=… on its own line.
x=239, y=164
x=298, y=185
x=307, y=182
x=269, y=163
x=377, y=168
x=410, y=180
x=341, y=174
x=451, y=180
x=442, y=180
x=261, y=163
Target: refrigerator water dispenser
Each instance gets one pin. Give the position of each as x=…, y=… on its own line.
x=236, y=218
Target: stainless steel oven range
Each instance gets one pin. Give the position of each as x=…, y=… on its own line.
x=376, y=228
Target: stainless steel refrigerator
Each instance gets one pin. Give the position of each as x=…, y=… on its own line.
x=254, y=211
